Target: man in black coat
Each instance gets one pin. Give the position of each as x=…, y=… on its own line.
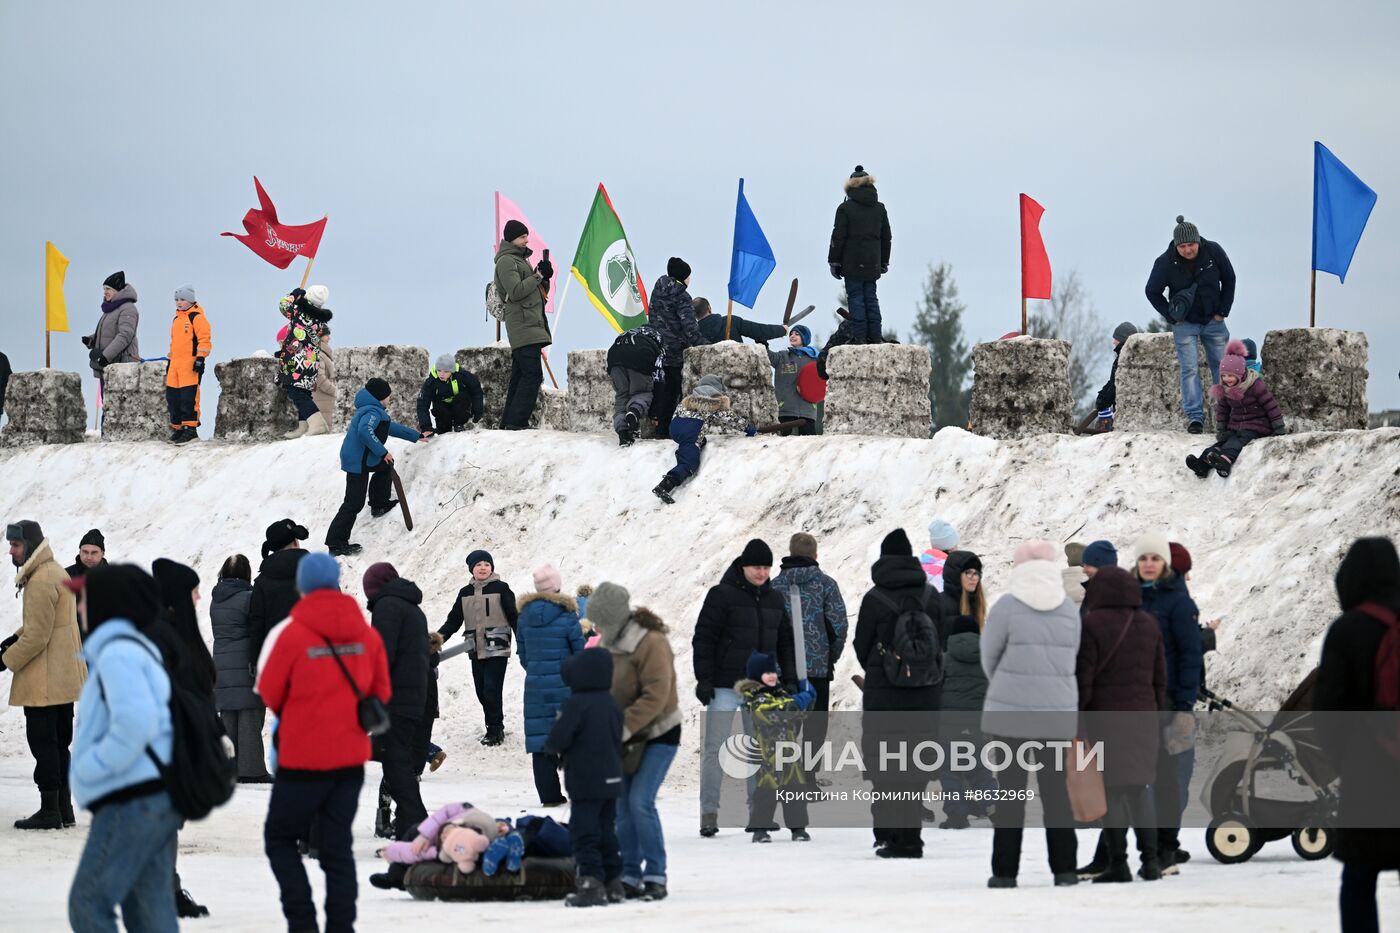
x=741, y=615
x=1108, y=395
x=450, y=398
x=275, y=589
x=92, y=552
x=712, y=326
x=4, y=379
x=1368, y=584
x=860, y=252
x=1200, y=285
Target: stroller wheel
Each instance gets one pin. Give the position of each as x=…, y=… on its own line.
x=1314, y=842
x=1232, y=838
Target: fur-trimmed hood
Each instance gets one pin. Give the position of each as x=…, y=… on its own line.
x=641, y=621
x=705, y=404
x=567, y=603
x=864, y=181
x=584, y=590
x=1237, y=391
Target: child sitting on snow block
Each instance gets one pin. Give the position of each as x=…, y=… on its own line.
x=1108, y=395
x=787, y=364
x=1245, y=409
x=776, y=714
x=634, y=366
x=457, y=833
x=704, y=410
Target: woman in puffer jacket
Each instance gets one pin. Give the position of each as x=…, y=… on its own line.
x=547, y=633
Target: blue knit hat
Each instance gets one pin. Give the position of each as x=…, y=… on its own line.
x=317, y=571
x=1100, y=554
x=760, y=664
x=479, y=555
x=942, y=535
x=805, y=332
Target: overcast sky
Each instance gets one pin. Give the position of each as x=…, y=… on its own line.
x=129, y=135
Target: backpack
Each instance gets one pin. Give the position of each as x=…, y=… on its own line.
x=914, y=656
x=203, y=771
x=1387, y=664
x=495, y=301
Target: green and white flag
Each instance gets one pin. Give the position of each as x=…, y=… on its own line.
x=607, y=270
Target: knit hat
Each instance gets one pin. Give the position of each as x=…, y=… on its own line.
x=1035, y=549
x=1233, y=363
x=27, y=531
x=896, y=544
x=677, y=268
x=176, y=581
x=1185, y=232
x=120, y=591
x=1251, y=349
x=185, y=293
x=942, y=536
x=805, y=332
x=1370, y=572
x=760, y=664
x=514, y=230
x=317, y=296
x=376, y=577
x=479, y=555
x=756, y=553
x=280, y=534
x=94, y=537
x=1153, y=542
x=445, y=363
x=1181, y=559
x=803, y=545
x=378, y=388
x=317, y=571
x=608, y=609
x=547, y=579
x=1074, y=553
x=1123, y=331
x=860, y=172
x=116, y=281
x=1100, y=554
x=710, y=386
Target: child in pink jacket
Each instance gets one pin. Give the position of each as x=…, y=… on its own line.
x=456, y=834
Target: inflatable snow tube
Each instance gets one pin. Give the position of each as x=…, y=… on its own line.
x=539, y=879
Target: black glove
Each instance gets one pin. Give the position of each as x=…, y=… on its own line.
x=96, y=358
x=835, y=269
x=884, y=268
x=298, y=293
x=87, y=341
x=705, y=693
x=199, y=365
x=546, y=269
x=1279, y=427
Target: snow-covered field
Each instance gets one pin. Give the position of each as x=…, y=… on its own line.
x=1266, y=543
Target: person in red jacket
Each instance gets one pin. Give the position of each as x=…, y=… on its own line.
x=313, y=669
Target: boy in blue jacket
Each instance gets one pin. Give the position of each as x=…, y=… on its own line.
x=588, y=736
x=363, y=453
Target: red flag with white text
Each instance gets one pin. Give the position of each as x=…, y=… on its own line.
x=276, y=242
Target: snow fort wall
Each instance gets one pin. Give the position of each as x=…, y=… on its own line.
x=492, y=365
x=552, y=410
x=44, y=406
x=1318, y=376
x=252, y=406
x=1020, y=387
x=1149, y=385
x=747, y=375
x=404, y=368
x=590, y=392
x=133, y=402
x=879, y=389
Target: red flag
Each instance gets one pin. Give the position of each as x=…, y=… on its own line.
x=1035, y=264
x=278, y=243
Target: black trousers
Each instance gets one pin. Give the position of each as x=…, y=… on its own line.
x=546, y=768
x=49, y=730
x=397, y=752
x=763, y=806
x=1234, y=442
x=302, y=805
x=489, y=678
x=1167, y=797
x=183, y=404
x=526, y=377
x=448, y=416
x=1130, y=806
x=1009, y=818
x=593, y=832
x=376, y=483
x=814, y=727
x=897, y=823
x=666, y=397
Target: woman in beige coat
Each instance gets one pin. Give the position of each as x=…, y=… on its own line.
x=324, y=393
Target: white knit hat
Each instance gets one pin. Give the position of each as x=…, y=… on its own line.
x=1154, y=542
x=318, y=295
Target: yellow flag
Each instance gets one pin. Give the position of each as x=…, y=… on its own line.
x=55, y=306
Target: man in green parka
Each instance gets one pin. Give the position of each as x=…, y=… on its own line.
x=523, y=290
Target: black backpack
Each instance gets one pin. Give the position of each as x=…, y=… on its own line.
x=914, y=656
x=202, y=772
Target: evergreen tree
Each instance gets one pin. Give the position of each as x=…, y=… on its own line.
x=938, y=325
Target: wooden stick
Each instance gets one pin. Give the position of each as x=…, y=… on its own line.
x=307, y=274
x=1312, y=302
x=1023, y=315
x=548, y=369
x=792, y=301
x=728, y=318
x=47, y=364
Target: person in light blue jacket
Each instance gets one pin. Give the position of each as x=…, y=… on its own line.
x=123, y=728
x=367, y=464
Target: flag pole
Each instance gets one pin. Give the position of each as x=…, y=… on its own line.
x=307, y=273
x=728, y=318
x=547, y=368
x=1023, y=314
x=1312, y=302
x=47, y=364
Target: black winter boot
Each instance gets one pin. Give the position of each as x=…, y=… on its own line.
x=1117, y=873
x=383, y=814
x=47, y=816
x=65, y=807
x=1198, y=465
x=664, y=489
x=185, y=905
x=377, y=510
x=590, y=893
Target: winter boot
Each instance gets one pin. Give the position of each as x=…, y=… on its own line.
x=316, y=425
x=761, y=835
x=375, y=511
x=590, y=893
x=955, y=821
x=1064, y=879
x=618, y=891
x=65, y=807
x=1001, y=881
x=1117, y=873
x=1195, y=427
x=709, y=824
x=1150, y=870
x=1222, y=465
x=391, y=879
x=185, y=906
x=436, y=761
x=664, y=489
x=1198, y=465
x=625, y=438
x=383, y=814
x=47, y=816
x=344, y=550
x=653, y=891
x=801, y=835
x=493, y=737
x=186, y=435
x=633, y=423
x=174, y=435
x=296, y=432
x=1099, y=864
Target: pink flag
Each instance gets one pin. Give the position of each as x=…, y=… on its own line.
x=506, y=210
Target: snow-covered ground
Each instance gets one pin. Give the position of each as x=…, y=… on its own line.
x=1266, y=543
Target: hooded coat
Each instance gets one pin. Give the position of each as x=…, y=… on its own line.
x=1248, y=406
x=736, y=620
x=44, y=661
x=363, y=449
x=115, y=334
x=519, y=285
x=860, y=235
x=1121, y=669
x=824, y=623
x=324, y=393
x=952, y=591
x=900, y=577
x=233, y=645
x=588, y=733
x=189, y=340
x=300, y=352
x=964, y=681
x=787, y=363
x=1179, y=620
x=396, y=616
x=644, y=680
x=547, y=634
x=673, y=315
x=274, y=595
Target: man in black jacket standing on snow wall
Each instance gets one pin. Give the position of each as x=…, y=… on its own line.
x=860, y=252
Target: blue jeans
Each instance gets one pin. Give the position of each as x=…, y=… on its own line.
x=717, y=729
x=638, y=825
x=1213, y=336
x=1185, y=767
x=865, y=310
x=129, y=859
x=960, y=782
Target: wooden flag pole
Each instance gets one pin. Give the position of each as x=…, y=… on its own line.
x=47, y=364
x=728, y=318
x=548, y=368
x=307, y=273
x=1312, y=302
x=1023, y=315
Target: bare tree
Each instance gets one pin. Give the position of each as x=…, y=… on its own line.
x=1071, y=316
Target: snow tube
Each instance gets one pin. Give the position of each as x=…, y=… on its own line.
x=539, y=879
x=810, y=385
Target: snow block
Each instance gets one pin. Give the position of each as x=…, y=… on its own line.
x=491, y=365
x=747, y=375
x=44, y=406
x=252, y=407
x=133, y=402
x=1318, y=375
x=404, y=368
x=590, y=392
x=879, y=389
x=552, y=410
x=1149, y=386
x=1020, y=387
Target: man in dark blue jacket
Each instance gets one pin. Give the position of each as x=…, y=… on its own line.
x=1200, y=285
x=367, y=464
x=673, y=315
x=712, y=326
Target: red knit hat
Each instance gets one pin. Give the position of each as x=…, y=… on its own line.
x=1233, y=364
x=1181, y=560
x=377, y=577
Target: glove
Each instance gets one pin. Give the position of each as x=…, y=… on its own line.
x=884, y=267
x=835, y=269
x=546, y=269
x=96, y=357
x=751, y=430
x=705, y=693
x=199, y=365
x=807, y=696
x=87, y=341
x=298, y=293
x=1279, y=427
x=1180, y=734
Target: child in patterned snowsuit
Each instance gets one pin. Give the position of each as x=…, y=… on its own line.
x=704, y=410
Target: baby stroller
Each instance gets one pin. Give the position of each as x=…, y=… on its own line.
x=1242, y=820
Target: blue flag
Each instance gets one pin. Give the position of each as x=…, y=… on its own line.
x=1342, y=204
x=753, y=258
